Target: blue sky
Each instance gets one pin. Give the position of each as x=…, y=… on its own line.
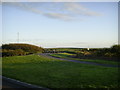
x=0, y=24
x=87, y=24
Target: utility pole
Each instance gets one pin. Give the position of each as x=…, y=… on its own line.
x=18, y=37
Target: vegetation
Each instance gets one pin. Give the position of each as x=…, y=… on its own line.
x=0, y=52
x=112, y=52
x=53, y=73
x=62, y=50
x=19, y=49
x=72, y=57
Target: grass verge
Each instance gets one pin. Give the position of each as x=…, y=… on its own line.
x=69, y=56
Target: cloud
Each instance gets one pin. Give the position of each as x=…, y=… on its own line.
x=57, y=10
x=80, y=9
x=0, y=2
x=25, y=6
x=59, y=16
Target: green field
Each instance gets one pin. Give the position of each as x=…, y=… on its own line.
x=69, y=56
x=0, y=66
x=53, y=73
x=62, y=55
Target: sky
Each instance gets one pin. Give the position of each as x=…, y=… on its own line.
x=0, y=25
x=60, y=24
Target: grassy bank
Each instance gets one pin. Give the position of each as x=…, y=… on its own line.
x=69, y=56
x=53, y=73
x=0, y=65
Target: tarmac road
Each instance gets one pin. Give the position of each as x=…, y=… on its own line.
x=12, y=84
x=8, y=84
x=84, y=62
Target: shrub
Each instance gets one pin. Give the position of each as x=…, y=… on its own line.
x=113, y=52
x=80, y=54
x=83, y=53
x=17, y=52
x=20, y=49
x=25, y=47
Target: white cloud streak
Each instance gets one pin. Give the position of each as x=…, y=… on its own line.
x=62, y=11
x=80, y=10
x=60, y=0
x=59, y=16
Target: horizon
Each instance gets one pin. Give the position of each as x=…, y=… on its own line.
x=81, y=24
x=61, y=46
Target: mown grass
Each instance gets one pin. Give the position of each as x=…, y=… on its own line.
x=62, y=55
x=69, y=56
x=53, y=73
x=0, y=65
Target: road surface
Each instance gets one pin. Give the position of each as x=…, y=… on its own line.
x=84, y=62
x=12, y=84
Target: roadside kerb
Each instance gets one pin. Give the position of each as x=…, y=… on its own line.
x=23, y=84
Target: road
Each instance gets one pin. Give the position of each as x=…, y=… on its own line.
x=8, y=83
x=84, y=62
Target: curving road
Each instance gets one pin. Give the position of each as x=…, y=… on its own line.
x=84, y=62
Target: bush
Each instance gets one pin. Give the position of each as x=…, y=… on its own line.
x=25, y=47
x=20, y=49
x=113, y=52
x=83, y=54
x=108, y=54
x=17, y=52
x=80, y=54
